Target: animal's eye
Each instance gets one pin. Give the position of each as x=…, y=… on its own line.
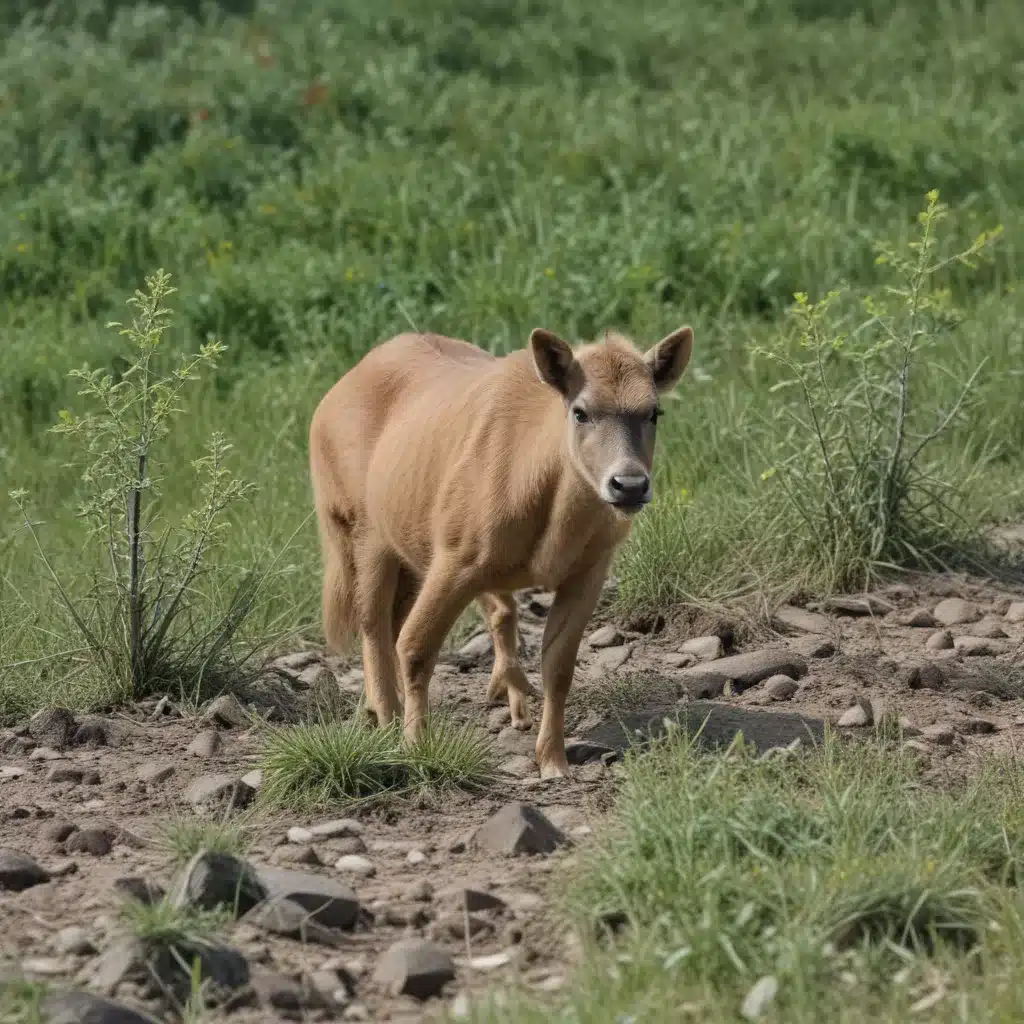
x=580, y=415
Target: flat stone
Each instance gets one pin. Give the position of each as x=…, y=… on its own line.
x=413, y=967
x=954, y=611
x=800, y=620
x=611, y=659
x=990, y=630
x=513, y=741
x=676, y=659
x=978, y=647
x=337, y=828
x=94, y=841
x=353, y=864
x=298, y=835
x=857, y=716
x=919, y=618
x=57, y=831
x=454, y=926
x=864, y=604
x=780, y=687
x=292, y=920
x=940, y=734
x=94, y=732
x=45, y=966
x=219, y=789
x=206, y=744
x=291, y=854
x=940, y=641
x=492, y=961
x=584, y=752
x=821, y=649
x=11, y=771
x=73, y=941
x=18, y=871
x=45, y=754
x=75, y=1006
x=978, y=727
x=53, y=727
x=253, y=779
x=744, y=669
x=64, y=773
x=297, y=662
x=472, y=900
x=213, y=880
x=518, y=828
x=521, y=766
x=1015, y=613
x=225, y=711
x=415, y=857
x=759, y=997
x=330, y=902
x=606, y=636
x=153, y=774
x=704, y=648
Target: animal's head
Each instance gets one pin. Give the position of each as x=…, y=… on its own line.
x=611, y=390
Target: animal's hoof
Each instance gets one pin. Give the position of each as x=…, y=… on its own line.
x=522, y=724
x=555, y=770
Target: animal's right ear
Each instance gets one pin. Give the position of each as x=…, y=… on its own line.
x=554, y=362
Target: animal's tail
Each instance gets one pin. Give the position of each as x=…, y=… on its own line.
x=341, y=622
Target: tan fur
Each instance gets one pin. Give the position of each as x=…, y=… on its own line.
x=444, y=475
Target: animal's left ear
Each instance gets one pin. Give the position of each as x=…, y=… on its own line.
x=669, y=357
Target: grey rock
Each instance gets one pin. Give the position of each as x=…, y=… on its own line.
x=940, y=734
x=676, y=659
x=455, y=926
x=299, y=835
x=211, y=880
x=1015, y=613
x=73, y=941
x=292, y=920
x=225, y=711
x=605, y=636
x=19, y=871
x=56, y=832
x=780, y=687
x=498, y=718
x=64, y=773
x=253, y=779
x=611, y=659
x=297, y=662
x=541, y=602
x=978, y=727
x=53, y=727
x=11, y=771
x=93, y=732
x=337, y=828
x=414, y=968
x=954, y=611
x=940, y=641
x=865, y=604
x=477, y=649
x=474, y=901
x=990, y=630
x=153, y=774
x=520, y=766
x=799, y=620
x=513, y=741
x=744, y=669
x=94, y=841
x=704, y=648
x=518, y=828
x=859, y=715
x=330, y=988
x=584, y=752
x=330, y=902
x=134, y=887
x=206, y=744
x=275, y=992
x=221, y=790
x=919, y=618
x=348, y=844
x=75, y=1006
x=978, y=647
x=292, y=854
x=353, y=864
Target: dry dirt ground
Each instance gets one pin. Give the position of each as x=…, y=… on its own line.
x=940, y=655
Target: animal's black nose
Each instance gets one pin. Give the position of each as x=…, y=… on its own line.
x=630, y=488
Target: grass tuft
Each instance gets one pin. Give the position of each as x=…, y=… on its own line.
x=183, y=838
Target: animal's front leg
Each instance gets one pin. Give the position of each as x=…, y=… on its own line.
x=574, y=602
x=438, y=604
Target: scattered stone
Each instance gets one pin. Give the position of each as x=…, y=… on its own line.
x=415, y=858
x=206, y=744
x=19, y=871
x=760, y=997
x=606, y=636
x=1015, y=613
x=64, y=773
x=275, y=992
x=866, y=604
x=153, y=774
x=348, y=844
x=92, y=733
x=415, y=968
x=978, y=647
x=45, y=754
x=940, y=734
x=76, y=1006
x=476, y=649
x=340, y=827
x=212, y=880
x=292, y=920
x=225, y=711
x=253, y=779
x=94, y=841
x=330, y=988
x=11, y=772
x=709, y=680
x=291, y=854
x=453, y=927
x=353, y=864
x=73, y=941
x=299, y=835
x=857, y=716
x=584, y=752
x=53, y=727
x=704, y=648
x=919, y=618
x=799, y=620
x=518, y=828
x=63, y=868
x=940, y=641
x=219, y=789
x=297, y=662
x=978, y=727
x=676, y=660
x=780, y=687
x=515, y=742
x=611, y=659
x=498, y=718
x=56, y=832
x=420, y=892
x=822, y=649
x=328, y=901
x=134, y=887
x=917, y=747
x=521, y=766
x=989, y=630
x=492, y=961
x=954, y=611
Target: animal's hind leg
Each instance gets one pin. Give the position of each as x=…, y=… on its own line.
x=507, y=676
x=405, y=594
x=377, y=572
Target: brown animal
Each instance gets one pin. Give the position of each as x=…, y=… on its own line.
x=444, y=475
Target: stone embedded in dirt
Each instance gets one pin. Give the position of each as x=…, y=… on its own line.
x=19, y=871
x=498, y=718
x=917, y=677
x=940, y=641
x=212, y=880
x=800, y=620
x=919, y=618
x=611, y=659
x=56, y=832
x=53, y=727
x=518, y=828
x=1015, y=613
x=413, y=967
x=277, y=993
x=226, y=711
x=45, y=754
x=453, y=927
x=75, y=1006
x=253, y=779
x=64, y=773
x=90, y=778
x=330, y=902
x=94, y=841
x=153, y=774
x=865, y=604
x=93, y=732
x=206, y=744
x=296, y=662
x=940, y=734
x=990, y=630
x=45, y=967
x=353, y=864
x=348, y=844
x=780, y=687
x=675, y=659
x=73, y=941
x=955, y=611
x=978, y=727
x=520, y=766
x=859, y=715
x=704, y=648
x=415, y=858
x=476, y=649
x=759, y=997
x=708, y=680
x=219, y=789
x=136, y=888
x=917, y=747
x=605, y=636
x=299, y=835
x=978, y=647
x=11, y=771
x=63, y=868
x=291, y=854
x=513, y=741
x=584, y=752
x=492, y=961
x=420, y=892
x=292, y=920
x=328, y=987
x=821, y=649
x=473, y=901
x=337, y=828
